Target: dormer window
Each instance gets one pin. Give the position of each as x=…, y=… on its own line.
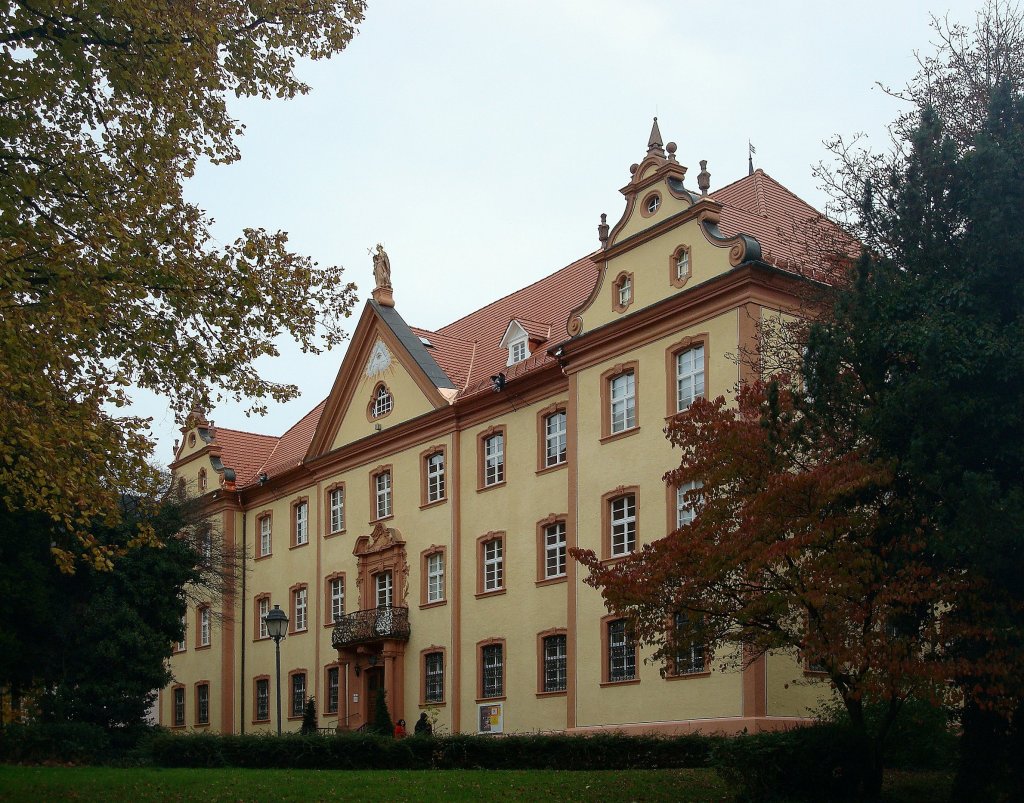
x=382, y=401
x=519, y=334
x=517, y=351
x=679, y=268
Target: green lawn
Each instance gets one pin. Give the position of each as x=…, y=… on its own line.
x=103, y=784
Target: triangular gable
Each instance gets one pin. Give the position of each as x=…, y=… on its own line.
x=384, y=352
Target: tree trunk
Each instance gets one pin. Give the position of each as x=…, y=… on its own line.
x=982, y=756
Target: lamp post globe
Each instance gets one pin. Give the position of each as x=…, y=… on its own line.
x=277, y=626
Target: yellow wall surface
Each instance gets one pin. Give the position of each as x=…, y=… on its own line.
x=409, y=401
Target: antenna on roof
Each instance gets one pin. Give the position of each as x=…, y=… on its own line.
x=751, y=150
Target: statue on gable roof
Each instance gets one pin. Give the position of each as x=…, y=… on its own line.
x=382, y=268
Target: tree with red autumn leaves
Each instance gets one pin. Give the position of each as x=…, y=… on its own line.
x=869, y=512
x=797, y=545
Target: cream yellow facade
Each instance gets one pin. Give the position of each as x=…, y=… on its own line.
x=440, y=502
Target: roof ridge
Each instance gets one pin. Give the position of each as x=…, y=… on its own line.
x=589, y=256
x=218, y=428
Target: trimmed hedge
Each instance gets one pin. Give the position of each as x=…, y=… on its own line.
x=65, y=742
x=367, y=751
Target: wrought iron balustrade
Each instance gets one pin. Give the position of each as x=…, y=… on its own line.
x=362, y=627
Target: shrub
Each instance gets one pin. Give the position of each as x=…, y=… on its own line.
x=366, y=750
x=65, y=742
x=813, y=763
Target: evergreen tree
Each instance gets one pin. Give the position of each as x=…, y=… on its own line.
x=381, y=722
x=309, y=718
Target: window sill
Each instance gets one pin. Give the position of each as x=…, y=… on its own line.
x=551, y=581
x=613, y=559
x=619, y=435
x=203, y=647
x=435, y=704
x=490, y=487
x=497, y=592
x=329, y=624
x=264, y=557
x=435, y=503
x=491, y=699
x=298, y=632
x=688, y=675
x=261, y=722
x=438, y=604
x=543, y=694
x=178, y=727
x=299, y=546
x=550, y=469
x=382, y=518
x=258, y=639
x=201, y=726
x=608, y=683
x=813, y=673
x=336, y=532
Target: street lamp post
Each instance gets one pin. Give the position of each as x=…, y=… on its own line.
x=277, y=626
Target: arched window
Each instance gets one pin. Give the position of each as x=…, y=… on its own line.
x=382, y=401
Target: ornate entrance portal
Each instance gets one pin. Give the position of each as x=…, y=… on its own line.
x=371, y=641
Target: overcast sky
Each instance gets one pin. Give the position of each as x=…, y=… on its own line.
x=480, y=140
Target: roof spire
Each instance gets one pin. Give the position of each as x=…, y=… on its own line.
x=655, y=142
x=751, y=150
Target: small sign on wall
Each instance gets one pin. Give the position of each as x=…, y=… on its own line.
x=355, y=698
x=490, y=718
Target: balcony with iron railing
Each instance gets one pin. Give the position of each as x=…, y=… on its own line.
x=364, y=627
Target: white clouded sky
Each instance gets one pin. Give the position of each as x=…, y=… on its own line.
x=480, y=140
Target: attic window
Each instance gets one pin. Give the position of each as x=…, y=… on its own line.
x=382, y=402
x=517, y=351
x=651, y=204
x=622, y=291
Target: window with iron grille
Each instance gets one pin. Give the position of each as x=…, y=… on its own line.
x=554, y=663
x=298, y=694
x=433, y=666
x=179, y=706
x=333, y=681
x=203, y=704
x=621, y=652
x=262, y=700
x=493, y=671
x=382, y=402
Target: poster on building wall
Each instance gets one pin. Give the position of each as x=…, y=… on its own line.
x=491, y=718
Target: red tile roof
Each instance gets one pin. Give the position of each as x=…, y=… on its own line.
x=548, y=303
x=244, y=452
x=792, y=233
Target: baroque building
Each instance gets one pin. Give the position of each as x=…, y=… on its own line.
x=414, y=525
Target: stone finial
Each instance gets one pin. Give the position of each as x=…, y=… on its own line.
x=671, y=148
x=602, y=230
x=654, y=142
x=703, y=177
